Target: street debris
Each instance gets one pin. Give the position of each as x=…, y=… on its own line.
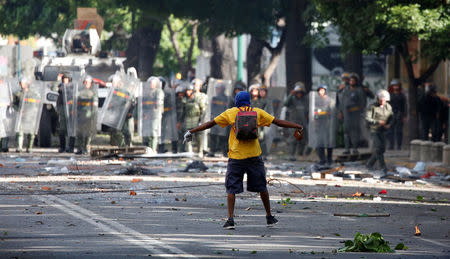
x=382, y=192
x=132, y=193
x=196, y=166
x=46, y=188
x=137, y=170
x=115, y=152
x=417, y=231
x=136, y=180
x=374, y=243
x=400, y=246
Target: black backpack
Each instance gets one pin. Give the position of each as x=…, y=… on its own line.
x=245, y=125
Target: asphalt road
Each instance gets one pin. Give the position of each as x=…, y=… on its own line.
x=181, y=216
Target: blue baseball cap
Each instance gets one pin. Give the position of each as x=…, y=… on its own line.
x=242, y=99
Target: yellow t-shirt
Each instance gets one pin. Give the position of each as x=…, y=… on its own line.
x=242, y=149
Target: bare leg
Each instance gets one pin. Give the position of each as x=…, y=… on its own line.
x=266, y=201
x=231, y=200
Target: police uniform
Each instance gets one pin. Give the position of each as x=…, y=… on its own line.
x=193, y=110
x=374, y=114
x=352, y=107
x=17, y=100
x=395, y=133
x=87, y=107
x=297, y=109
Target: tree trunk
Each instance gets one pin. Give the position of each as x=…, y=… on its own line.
x=414, y=83
x=298, y=55
x=353, y=62
x=222, y=61
x=142, y=49
x=271, y=68
x=254, y=54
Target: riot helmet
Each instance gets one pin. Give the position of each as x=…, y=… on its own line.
x=88, y=81
x=383, y=94
x=197, y=84
x=345, y=76
x=154, y=82
x=299, y=87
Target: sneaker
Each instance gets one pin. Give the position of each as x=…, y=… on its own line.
x=229, y=224
x=271, y=220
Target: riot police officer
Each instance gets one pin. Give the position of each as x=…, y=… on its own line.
x=193, y=112
x=28, y=101
x=180, y=92
x=218, y=136
x=151, y=110
x=379, y=117
x=430, y=107
x=352, y=107
x=169, y=118
x=87, y=105
x=203, y=99
x=62, y=120
x=297, y=105
x=322, y=124
x=238, y=86
x=398, y=104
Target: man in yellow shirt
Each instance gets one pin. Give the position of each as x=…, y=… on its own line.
x=244, y=156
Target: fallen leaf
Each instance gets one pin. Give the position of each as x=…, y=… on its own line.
x=132, y=193
x=1, y=165
x=46, y=188
x=113, y=202
x=184, y=199
x=189, y=213
x=248, y=208
x=38, y=212
x=136, y=180
x=177, y=199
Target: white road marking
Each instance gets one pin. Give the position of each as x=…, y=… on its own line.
x=433, y=242
x=113, y=227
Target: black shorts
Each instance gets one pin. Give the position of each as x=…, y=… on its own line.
x=256, y=175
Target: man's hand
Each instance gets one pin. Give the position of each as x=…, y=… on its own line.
x=381, y=122
x=187, y=137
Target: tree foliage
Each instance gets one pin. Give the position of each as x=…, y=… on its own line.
x=166, y=59
x=375, y=25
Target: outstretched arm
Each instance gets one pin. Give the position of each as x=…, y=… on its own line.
x=203, y=126
x=286, y=124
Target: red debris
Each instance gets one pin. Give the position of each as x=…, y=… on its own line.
x=428, y=175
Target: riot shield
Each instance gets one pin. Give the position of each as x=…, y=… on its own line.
x=70, y=106
x=218, y=93
x=86, y=110
x=6, y=118
x=30, y=108
x=118, y=102
x=169, y=117
x=150, y=110
x=322, y=120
